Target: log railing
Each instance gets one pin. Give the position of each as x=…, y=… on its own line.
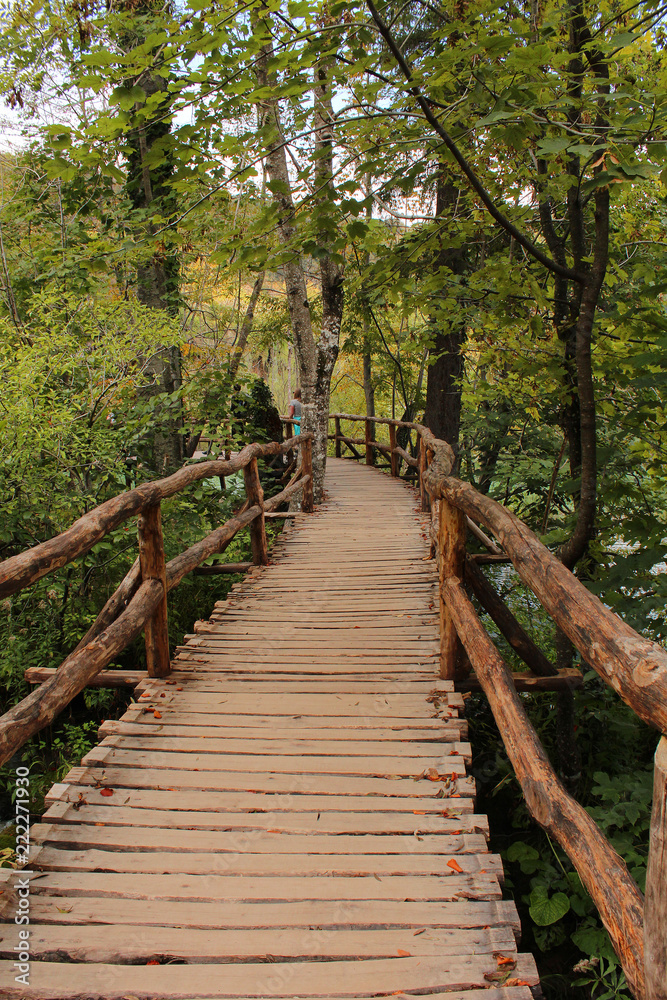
x=140, y=602
x=633, y=666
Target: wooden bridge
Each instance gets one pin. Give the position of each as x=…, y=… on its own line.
x=286, y=810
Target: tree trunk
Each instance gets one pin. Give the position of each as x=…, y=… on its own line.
x=316, y=358
x=445, y=370
x=331, y=273
x=157, y=273
x=246, y=326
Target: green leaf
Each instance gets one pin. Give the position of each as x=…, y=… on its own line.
x=552, y=146
x=127, y=97
x=545, y=910
x=520, y=851
x=357, y=229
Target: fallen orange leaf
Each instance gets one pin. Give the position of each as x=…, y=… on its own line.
x=106, y=791
x=157, y=715
x=504, y=960
x=453, y=863
x=403, y=954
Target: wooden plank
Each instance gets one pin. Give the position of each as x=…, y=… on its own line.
x=325, y=913
x=480, y=885
x=193, y=679
x=329, y=740
x=324, y=725
x=397, y=705
x=158, y=742
x=297, y=664
x=124, y=812
x=447, y=841
x=302, y=784
x=248, y=807
x=249, y=764
x=113, y=982
x=108, y=943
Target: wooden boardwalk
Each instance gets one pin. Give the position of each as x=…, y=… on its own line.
x=289, y=813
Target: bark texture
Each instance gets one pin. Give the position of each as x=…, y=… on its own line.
x=149, y=169
x=445, y=370
x=316, y=356
x=246, y=326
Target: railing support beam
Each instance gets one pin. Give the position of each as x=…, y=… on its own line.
x=451, y=563
x=255, y=495
x=392, y=446
x=370, y=454
x=655, y=907
x=152, y=562
x=423, y=466
x=337, y=437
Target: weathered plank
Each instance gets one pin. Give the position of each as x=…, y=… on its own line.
x=299, y=807
x=97, y=981
x=324, y=913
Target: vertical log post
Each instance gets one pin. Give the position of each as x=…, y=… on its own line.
x=151, y=561
x=337, y=437
x=451, y=562
x=255, y=495
x=392, y=446
x=423, y=466
x=307, y=503
x=370, y=456
x=655, y=907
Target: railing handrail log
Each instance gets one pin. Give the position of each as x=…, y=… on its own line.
x=603, y=872
x=27, y=567
x=42, y=705
x=375, y=420
x=635, y=667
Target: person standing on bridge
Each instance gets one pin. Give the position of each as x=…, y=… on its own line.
x=294, y=412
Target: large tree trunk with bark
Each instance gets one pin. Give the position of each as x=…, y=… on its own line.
x=157, y=269
x=316, y=358
x=445, y=370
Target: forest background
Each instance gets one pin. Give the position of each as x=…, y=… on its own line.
x=446, y=211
